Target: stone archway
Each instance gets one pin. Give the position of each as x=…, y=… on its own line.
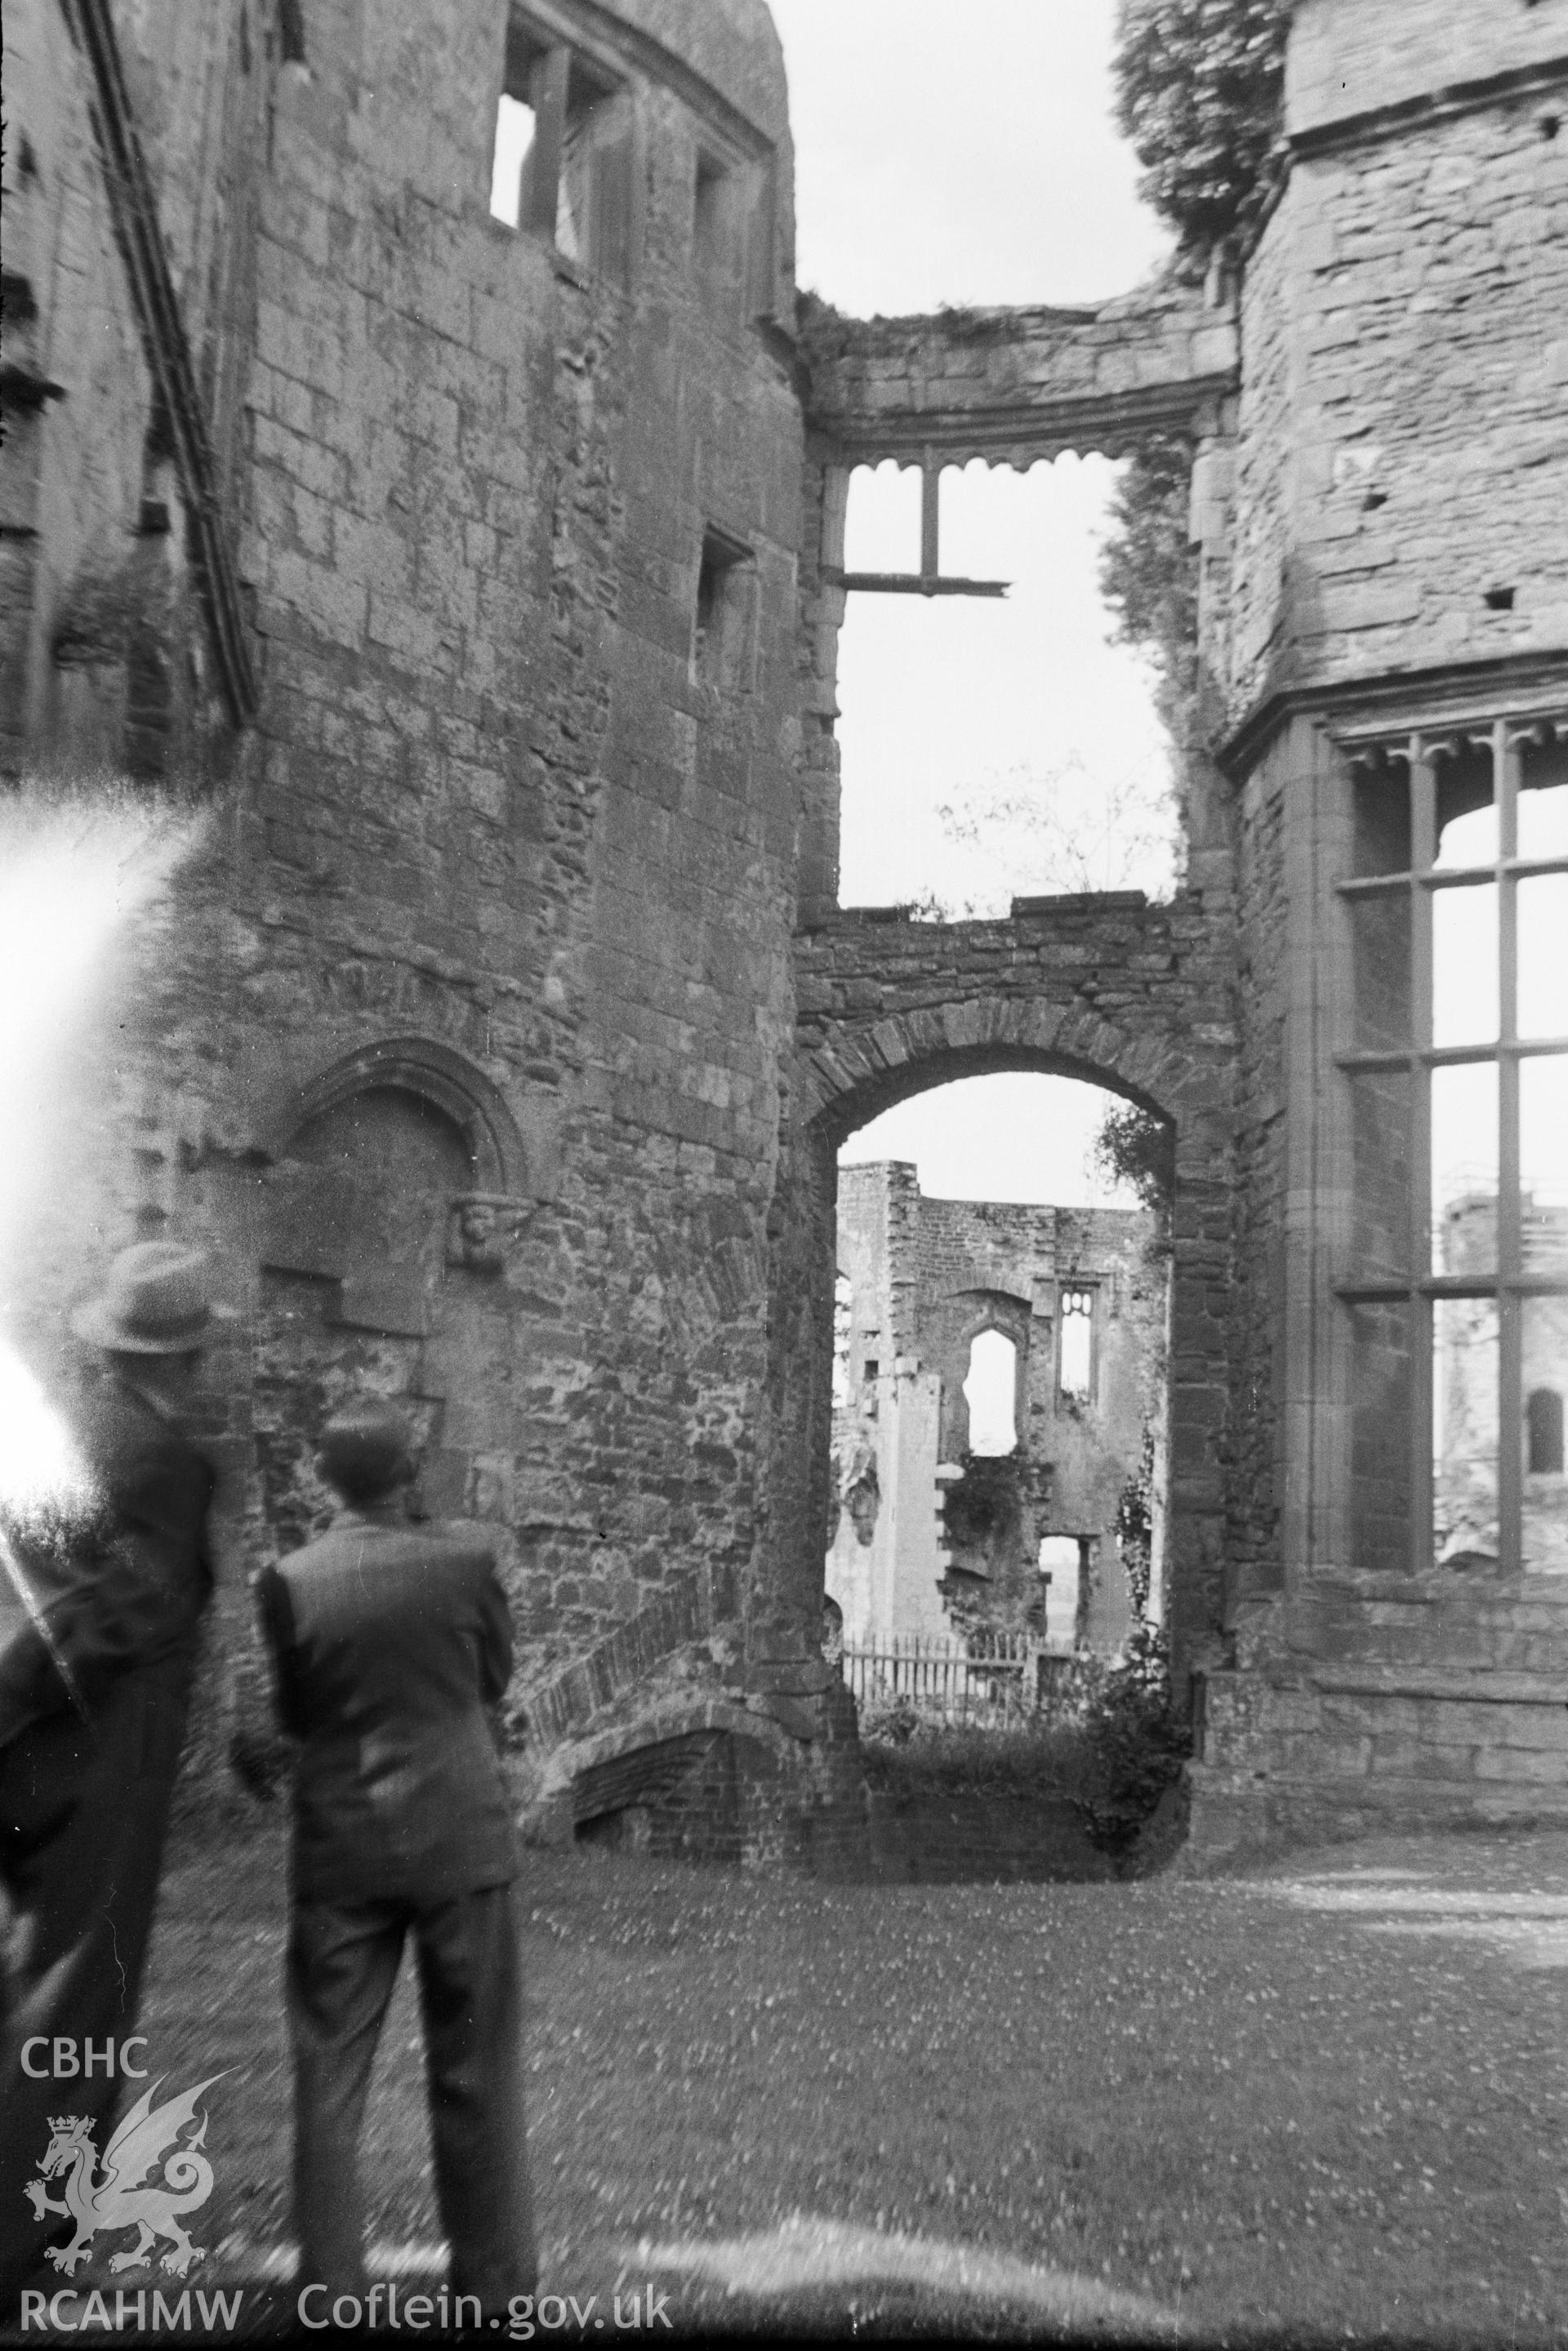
x=891, y=1009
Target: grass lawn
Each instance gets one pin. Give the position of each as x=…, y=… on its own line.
x=1326, y=2100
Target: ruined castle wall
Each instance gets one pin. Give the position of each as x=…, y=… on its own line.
x=1345, y=61
x=493, y=798
x=925, y=1277
x=500, y=900
x=201, y=85
x=1137, y=997
x=106, y=643
x=1405, y=358
x=1006, y=1264
x=71, y=475
x=1019, y=383
x=1263, y=988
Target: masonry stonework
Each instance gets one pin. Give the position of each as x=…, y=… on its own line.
x=458, y=605
x=939, y=1524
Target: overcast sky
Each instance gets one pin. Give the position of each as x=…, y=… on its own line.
x=933, y=170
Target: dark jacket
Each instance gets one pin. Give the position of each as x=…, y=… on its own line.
x=118, y=1590
x=390, y=1640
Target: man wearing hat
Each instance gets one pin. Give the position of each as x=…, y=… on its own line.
x=390, y=1640
x=100, y=1599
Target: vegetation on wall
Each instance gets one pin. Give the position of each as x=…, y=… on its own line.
x=1134, y=1147
x=1148, y=576
x=1199, y=89
x=1111, y=1751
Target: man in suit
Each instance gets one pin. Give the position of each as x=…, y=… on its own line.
x=102, y=1591
x=390, y=1640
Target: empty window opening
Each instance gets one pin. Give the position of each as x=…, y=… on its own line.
x=992, y=748
x=1543, y=1423
x=516, y=127
x=720, y=623
x=563, y=166
x=1077, y=1360
x=1060, y=1567
x=990, y=1392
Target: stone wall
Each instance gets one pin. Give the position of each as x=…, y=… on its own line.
x=107, y=656
x=1345, y=62
x=1017, y=384
x=479, y=560
x=1406, y=306
x=481, y=597
x=1394, y=560
x=463, y=1043
x=1136, y=997
x=930, y=1539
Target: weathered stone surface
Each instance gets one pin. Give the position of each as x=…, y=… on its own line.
x=484, y=597
x=1017, y=384
x=929, y=1541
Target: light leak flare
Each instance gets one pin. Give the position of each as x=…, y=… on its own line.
x=42, y=1474
x=75, y=872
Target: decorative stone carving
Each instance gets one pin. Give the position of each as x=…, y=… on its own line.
x=483, y=1228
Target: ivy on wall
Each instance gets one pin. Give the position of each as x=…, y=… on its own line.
x=1148, y=575
x=1201, y=87
x=1200, y=94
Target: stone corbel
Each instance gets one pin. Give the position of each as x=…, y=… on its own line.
x=483, y=1228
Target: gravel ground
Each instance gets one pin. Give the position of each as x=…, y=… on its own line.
x=1324, y=2101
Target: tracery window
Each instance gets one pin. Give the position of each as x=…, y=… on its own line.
x=1453, y=1273
x=1076, y=1370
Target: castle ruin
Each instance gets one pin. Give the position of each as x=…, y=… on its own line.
x=476, y=588
x=976, y=1497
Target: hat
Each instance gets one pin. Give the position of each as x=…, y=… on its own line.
x=154, y=1302
x=366, y=1449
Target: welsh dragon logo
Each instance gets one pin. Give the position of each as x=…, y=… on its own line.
x=120, y=2199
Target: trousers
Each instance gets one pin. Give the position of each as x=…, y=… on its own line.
x=84, y=1809
x=343, y=1958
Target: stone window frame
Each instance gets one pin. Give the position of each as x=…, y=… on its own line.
x=1420, y=750
x=568, y=81
x=726, y=259
x=1073, y=1286
x=723, y=632
x=616, y=56
x=1007, y=1313
x=996, y=1326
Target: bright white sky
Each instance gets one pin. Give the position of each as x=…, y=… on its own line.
x=987, y=169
